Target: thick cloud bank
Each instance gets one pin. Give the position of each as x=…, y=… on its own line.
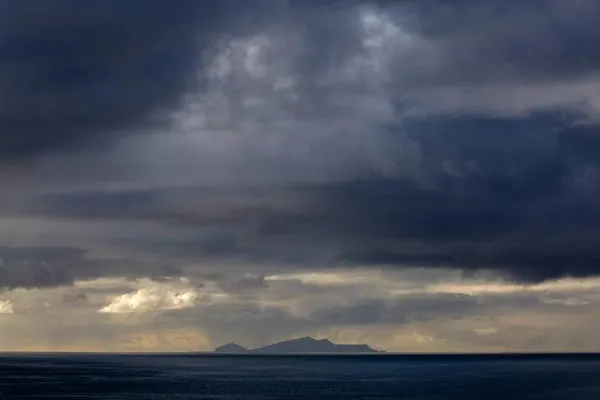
x=408, y=133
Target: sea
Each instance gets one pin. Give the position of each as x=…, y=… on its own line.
x=262, y=377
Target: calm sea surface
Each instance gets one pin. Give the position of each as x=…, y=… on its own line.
x=298, y=377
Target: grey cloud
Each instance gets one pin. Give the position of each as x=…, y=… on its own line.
x=520, y=211
x=419, y=308
x=50, y=266
x=39, y=267
x=319, y=103
x=73, y=71
x=212, y=139
x=75, y=74
x=494, y=41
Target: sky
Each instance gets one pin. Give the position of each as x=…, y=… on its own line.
x=421, y=176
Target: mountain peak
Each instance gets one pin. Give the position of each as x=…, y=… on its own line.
x=231, y=348
x=304, y=344
x=302, y=339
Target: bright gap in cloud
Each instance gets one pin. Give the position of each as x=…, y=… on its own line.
x=344, y=278
x=473, y=288
x=6, y=307
x=396, y=282
x=152, y=299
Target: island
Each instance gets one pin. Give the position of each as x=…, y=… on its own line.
x=303, y=345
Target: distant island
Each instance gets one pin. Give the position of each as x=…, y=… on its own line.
x=304, y=345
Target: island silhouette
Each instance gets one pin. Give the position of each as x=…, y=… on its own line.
x=303, y=345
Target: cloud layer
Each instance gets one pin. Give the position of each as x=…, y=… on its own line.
x=233, y=144
x=407, y=310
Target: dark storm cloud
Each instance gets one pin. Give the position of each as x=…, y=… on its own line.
x=457, y=127
x=50, y=266
x=73, y=71
x=41, y=266
x=497, y=41
x=518, y=198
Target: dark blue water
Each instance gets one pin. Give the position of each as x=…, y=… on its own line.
x=298, y=377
